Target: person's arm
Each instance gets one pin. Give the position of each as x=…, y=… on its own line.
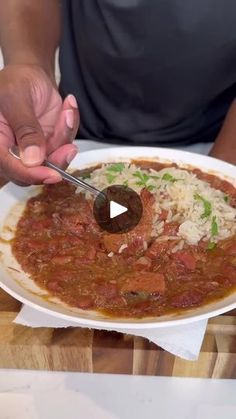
x=225, y=144
x=32, y=114
x=30, y=32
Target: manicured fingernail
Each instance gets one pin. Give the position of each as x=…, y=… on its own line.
x=69, y=118
x=32, y=155
x=52, y=179
x=70, y=156
x=72, y=101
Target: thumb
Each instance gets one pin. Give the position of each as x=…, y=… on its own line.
x=28, y=133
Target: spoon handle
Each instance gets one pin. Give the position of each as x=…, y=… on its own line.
x=72, y=179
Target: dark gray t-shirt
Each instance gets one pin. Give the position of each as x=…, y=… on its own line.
x=150, y=71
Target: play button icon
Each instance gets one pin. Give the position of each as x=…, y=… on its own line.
x=117, y=209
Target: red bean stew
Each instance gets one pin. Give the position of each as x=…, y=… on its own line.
x=59, y=244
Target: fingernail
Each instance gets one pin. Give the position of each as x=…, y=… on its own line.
x=70, y=156
x=52, y=179
x=32, y=155
x=69, y=118
x=72, y=101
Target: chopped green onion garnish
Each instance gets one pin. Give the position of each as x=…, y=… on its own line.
x=150, y=188
x=116, y=167
x=169, y=177
x=226, y=198
x=211, y=246
x=206, y=204
x=125, y=183
x=140, y=183
x=214, y=227
x=110, y=177
x=143, y=178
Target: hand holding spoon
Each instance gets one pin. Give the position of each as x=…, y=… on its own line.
x=14, y=151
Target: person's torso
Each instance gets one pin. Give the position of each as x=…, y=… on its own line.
x=154, y=71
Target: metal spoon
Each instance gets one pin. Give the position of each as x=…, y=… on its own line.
x=14, y=151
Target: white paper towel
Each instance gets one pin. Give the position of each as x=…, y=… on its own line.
x=184, y=341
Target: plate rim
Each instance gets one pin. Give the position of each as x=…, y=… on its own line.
x=113, y=323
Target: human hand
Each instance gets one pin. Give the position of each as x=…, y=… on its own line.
x=33, y=116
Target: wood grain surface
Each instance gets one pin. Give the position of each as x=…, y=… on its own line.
x=86, y=350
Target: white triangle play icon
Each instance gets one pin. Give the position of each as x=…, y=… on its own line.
x=116, y=209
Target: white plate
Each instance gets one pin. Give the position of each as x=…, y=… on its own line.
x=20, y=286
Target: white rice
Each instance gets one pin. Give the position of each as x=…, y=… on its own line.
x=122, y=247
x=176, y=194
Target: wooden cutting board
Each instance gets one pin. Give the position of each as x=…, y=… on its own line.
x=85, y=350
